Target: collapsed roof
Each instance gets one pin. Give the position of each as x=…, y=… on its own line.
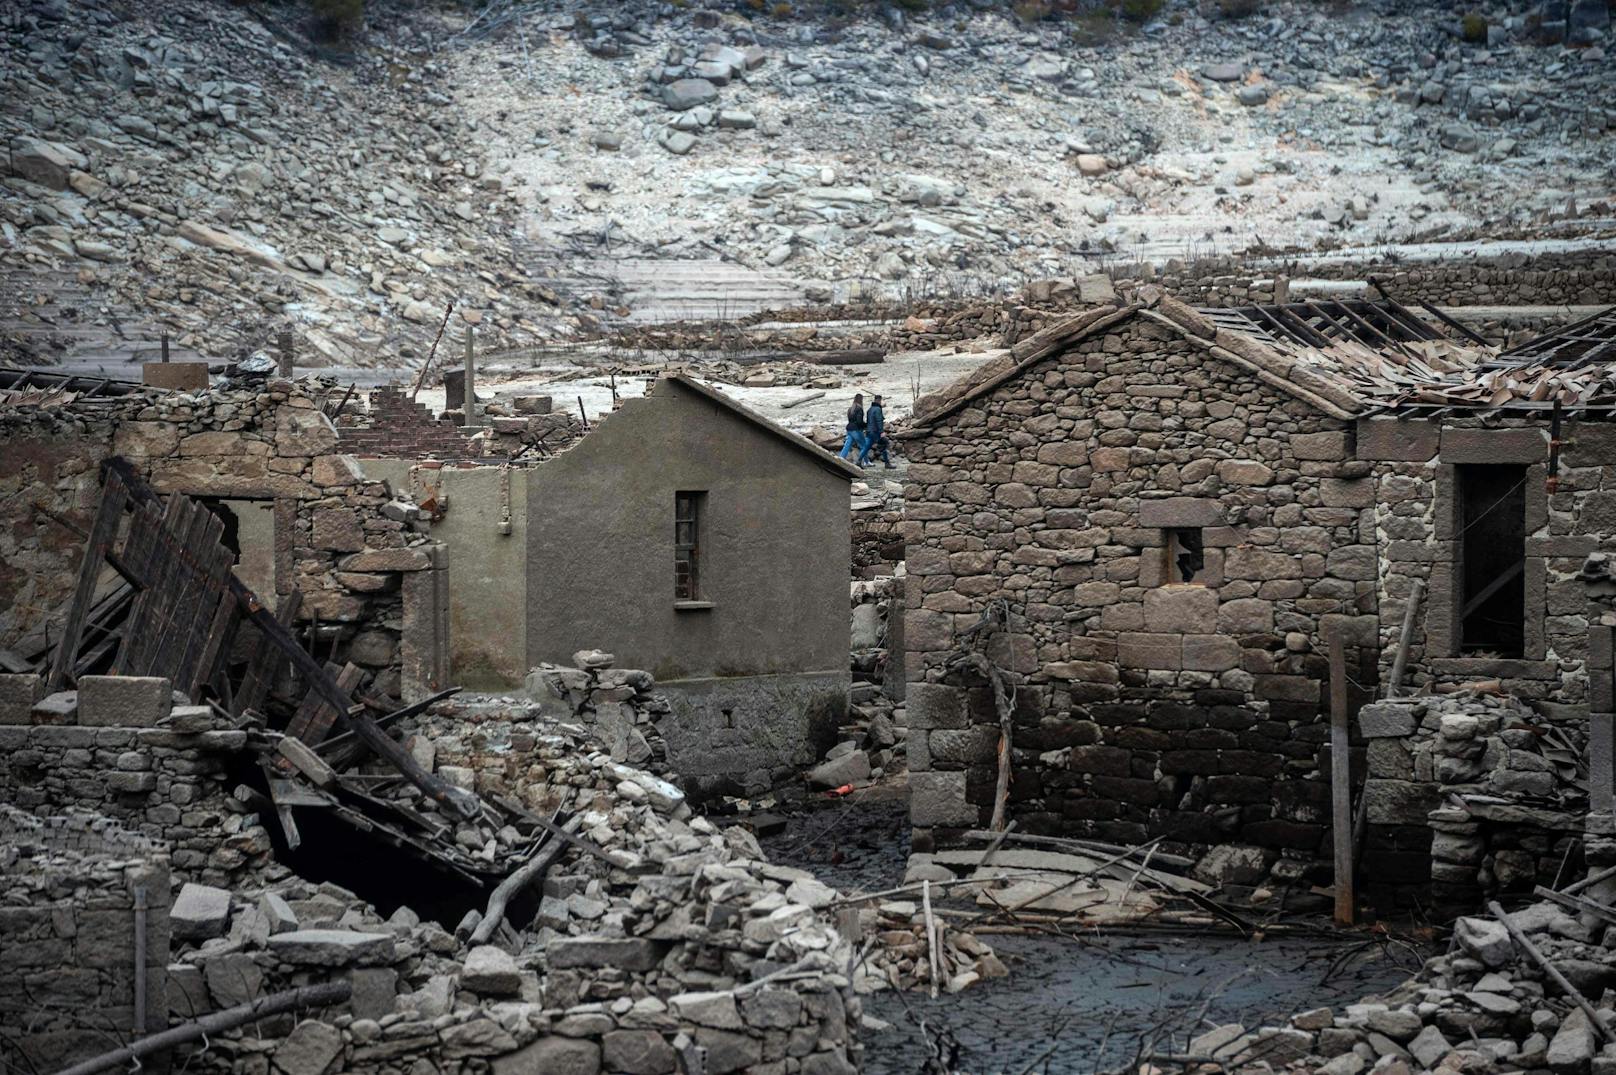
x=1348, y=358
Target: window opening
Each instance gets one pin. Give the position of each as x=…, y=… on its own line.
x=1492, y=559
x=1186, y=555
x=687, y=511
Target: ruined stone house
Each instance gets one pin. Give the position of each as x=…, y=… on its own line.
x=265, y=458
x=1180, y=508
x=687, y=536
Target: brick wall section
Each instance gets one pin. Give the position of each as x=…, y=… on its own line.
x=67, y=938
x=399, y=427
x=1146, y=705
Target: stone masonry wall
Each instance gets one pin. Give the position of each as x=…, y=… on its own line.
x=68, y=891
x=1420, y=537
x=1146, y=704
x=121, y=749
x=1469, y=797
x=345, y=542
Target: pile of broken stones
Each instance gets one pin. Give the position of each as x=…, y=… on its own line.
x=668, y=939
x=1485, y=1006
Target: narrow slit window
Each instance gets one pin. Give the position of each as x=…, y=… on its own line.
x=1492, y=559
x=1186, y=554
x=687, y=512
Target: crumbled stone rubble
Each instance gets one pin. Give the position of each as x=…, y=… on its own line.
x=660, y=950
x=1482, y=1007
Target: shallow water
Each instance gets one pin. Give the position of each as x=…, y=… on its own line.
x=1078, y=1005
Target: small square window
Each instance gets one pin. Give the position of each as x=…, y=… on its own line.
x=687, y=513
x=1186, y=555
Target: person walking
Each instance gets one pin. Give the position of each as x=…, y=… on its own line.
x=875, y=425
x=855, y=426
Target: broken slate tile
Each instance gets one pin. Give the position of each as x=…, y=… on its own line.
x=332, y=947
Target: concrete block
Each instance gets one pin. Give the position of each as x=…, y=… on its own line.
x=18, y=693
x=1181, y=609
x=1139, y=649
x=124, y=701
x=62, y=707
x=199, y=912
x=1386, y=720
x=1400, y=802
x=1210, y=653
x=1321, y=447
x=938, y=799
x=935, y=705
x=1398, y=440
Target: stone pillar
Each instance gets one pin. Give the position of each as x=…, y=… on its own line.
x=454, y=390
x=1601, y=716
x=283, y=343
x=424, y=641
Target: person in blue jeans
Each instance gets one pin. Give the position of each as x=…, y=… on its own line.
x=875, y=424
x=855, y=426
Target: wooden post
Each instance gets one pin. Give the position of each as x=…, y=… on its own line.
x=470, y=405
x=165, y=347
x=1340, y=785
x=1405, y=638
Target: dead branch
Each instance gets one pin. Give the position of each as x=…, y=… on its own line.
x=1549, y=969
x=519, y=879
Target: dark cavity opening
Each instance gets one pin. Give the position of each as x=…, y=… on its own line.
x=1492, y=556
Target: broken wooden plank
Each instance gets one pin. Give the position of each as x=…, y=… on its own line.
x=103, y=532
x=266, y=661
x=299, y=756
x=313, y=719
x=1346, y=910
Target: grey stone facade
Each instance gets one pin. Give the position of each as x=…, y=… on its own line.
x=70, y=888
x=1063, y=478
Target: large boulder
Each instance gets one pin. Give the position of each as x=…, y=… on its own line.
x=50, y=164
x=687, y=93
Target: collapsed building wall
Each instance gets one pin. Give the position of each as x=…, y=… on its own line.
x=121, y=749
x=682, y=535
x=1421, y=469
x=1177, y=538
x=346, y=544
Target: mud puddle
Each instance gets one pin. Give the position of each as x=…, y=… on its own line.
x=1079, y=1005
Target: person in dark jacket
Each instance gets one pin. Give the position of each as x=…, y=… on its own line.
x=855, y=427
x=875, y=425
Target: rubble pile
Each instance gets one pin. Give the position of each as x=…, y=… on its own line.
x=654, y=932
x=537, y=434
x=1485, y=1006
x=1482, y=792
x=618, y=704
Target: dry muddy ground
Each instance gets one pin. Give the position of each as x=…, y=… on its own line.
x=1080, y=1006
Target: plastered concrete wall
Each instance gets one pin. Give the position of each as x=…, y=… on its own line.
x=774, y=557
x=487, y=570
